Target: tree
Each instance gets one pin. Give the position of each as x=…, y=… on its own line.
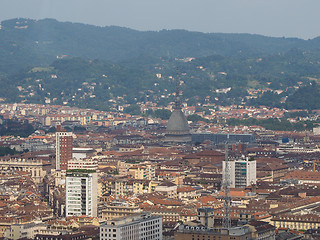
x=164, y=114
x=195, y=118
x=133, y=109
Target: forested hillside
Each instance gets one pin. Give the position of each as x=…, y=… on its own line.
x=88, y=66
x=24, y=42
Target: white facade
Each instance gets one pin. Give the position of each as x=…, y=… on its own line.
x=87, y=163
x=81, y=193
x=243, y=172
x=135, y=227
x=81, y=153
x=316, y=130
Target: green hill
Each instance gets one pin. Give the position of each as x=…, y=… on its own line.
x=26, y=42
x=99, y=67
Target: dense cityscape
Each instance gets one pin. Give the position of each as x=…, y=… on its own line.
x=82, y=173
x=157, y=132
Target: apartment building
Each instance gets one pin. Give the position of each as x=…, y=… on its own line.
x=81, y=193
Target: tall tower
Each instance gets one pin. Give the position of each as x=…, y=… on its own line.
x=64, y=143
x=177, y=128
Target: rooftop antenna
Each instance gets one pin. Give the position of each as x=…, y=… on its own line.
x=226, y=188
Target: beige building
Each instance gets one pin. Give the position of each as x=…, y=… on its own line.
x=136, y=186
x=187, y=192
x=4, y=224
x=297, y=222
x=51, y=120
x=130, y=148
x=192, y=233
x=31, y=165
x=123, y=167
x=118, y=209
x=170, y=214
x=304, y=176
x=146, y=171
x=26, y=231
x=168, y=188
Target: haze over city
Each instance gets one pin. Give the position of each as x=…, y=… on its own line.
x=162, y=120
x=285, y=18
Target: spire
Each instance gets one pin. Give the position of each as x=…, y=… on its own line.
x=177, y=128
x=178, y=100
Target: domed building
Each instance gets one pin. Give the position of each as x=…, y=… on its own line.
x=178, y=130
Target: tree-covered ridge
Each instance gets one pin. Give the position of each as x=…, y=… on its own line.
x=16, y=128
x=216, y=79
x=79, y=82
x=100, y=67
x=27, y=42
x=4, y=151
x=307, y=97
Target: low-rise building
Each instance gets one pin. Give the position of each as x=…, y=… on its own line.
x=168, y=188
x=26, y=231
x=297, y=222
x=119, y=208
x=186, y=232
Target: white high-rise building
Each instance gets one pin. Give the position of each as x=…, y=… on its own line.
x=134, y=227
x=81, y=193
x=242, y=172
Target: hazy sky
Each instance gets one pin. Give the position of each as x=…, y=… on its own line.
x=288, y=18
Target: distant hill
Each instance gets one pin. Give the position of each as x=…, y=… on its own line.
x=25, y=42
x=100, y=67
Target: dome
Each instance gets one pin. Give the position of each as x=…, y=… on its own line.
x=177, y=129
x=177, y=122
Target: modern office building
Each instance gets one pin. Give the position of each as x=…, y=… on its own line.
x=64, y=142
x=242, y=172
x=81, y=193
x=134, y=227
